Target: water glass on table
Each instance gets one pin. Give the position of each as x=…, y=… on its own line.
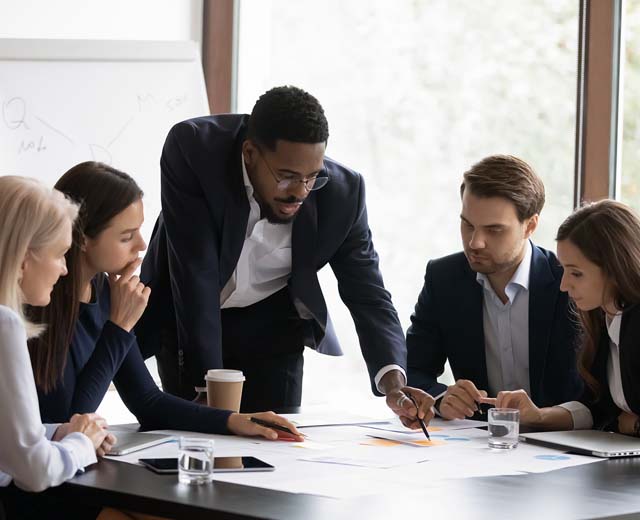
x=504, y=428
x=195, y=460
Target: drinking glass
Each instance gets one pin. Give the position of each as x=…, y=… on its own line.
x=195, y=460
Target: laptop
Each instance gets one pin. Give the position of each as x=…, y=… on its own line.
x=588, y=442
x=129, y=442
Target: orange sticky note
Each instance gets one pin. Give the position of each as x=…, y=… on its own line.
x=380, y=442
x=428, y=443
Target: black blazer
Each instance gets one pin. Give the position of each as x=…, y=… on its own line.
x=604, y=411
x=448, y=325
x=199, y=235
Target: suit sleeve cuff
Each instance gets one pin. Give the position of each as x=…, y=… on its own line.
x=438, y=399
x=581, y=415
x=388, y=368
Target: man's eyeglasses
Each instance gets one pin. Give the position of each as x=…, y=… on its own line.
x=285, y=183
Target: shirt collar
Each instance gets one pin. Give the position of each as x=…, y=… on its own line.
x=245, y=176
x=613, y=328
x=523, y=272
x=521, y=277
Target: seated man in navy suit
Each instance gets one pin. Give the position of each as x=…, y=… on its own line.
x=251, y=210
x=495, y=311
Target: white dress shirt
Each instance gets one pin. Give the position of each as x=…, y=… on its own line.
x=506, y=330
x=582, y=418
x=264, y=266
x=27, y=456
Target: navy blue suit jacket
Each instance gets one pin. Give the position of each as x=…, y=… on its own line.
x=603, y=410
x=198, y=238
x=448, y=325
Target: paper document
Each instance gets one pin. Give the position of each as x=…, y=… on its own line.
x=360, y=461
x=303, y=420
x=435, y=425
x=457, y=438
x=347, y=461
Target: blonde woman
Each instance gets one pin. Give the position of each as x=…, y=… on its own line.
x=34, y=237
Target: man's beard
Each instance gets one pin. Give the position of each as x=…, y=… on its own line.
x=269, y=213
x=493, y=267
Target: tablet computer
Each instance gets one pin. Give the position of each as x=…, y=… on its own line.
x=220, y=465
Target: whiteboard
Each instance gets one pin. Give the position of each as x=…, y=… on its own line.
x=68, y=101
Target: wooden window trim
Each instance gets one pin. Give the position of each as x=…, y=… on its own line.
x=597, y=122
x=218, y=53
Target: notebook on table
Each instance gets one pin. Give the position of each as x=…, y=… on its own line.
x=587, y=442
x=129, y=442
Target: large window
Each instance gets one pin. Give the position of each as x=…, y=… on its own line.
x=415, y=93
x=630, y=57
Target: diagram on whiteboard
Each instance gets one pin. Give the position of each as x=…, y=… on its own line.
x=55, y=113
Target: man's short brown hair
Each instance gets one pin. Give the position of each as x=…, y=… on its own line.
x=508, y=177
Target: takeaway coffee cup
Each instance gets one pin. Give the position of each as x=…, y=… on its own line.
x=224, y=388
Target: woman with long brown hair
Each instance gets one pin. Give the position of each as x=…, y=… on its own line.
x=90, y=340
x=599, y=248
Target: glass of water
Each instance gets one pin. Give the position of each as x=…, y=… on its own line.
x=195, y=460
x=504, y=428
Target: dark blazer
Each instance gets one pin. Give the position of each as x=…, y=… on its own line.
x=604, y=411
x=100, y=352
x=198, y=238
x=448, y=325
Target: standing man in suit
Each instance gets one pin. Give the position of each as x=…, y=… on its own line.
x=251, y=210
x=495, y=311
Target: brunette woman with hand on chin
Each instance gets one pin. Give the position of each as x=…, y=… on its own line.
x=599, y=248
x=92, y=315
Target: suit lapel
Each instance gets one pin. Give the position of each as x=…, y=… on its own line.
x=235, y=218
x=627, y=345
x=472, y=330
x=304, y=284
x=543, y=293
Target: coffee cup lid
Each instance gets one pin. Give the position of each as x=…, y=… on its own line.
x=224, y=375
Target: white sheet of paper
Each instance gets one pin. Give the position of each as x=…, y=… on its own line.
x=435, y=424
x=413, y=438
x=347, y=464
x=356, y=461
x=304, y=420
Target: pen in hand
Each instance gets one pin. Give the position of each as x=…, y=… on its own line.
x=421, y=421
x=485, y=403
x=274, y=426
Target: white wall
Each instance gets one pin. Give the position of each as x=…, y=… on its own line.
x=102, y=19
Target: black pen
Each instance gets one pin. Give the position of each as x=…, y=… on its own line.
x=273, y=426
x=421, y=421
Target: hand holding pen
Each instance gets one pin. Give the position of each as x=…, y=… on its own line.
x=283, y=432
x=264, y=424
x=412, y=405
x=421, y=421
x=461, y=400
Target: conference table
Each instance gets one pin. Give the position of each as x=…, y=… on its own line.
x=604, y=490
x=609, y=489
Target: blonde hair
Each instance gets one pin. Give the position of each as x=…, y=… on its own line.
x=32, y=215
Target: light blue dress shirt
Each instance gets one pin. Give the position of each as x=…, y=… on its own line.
x=506, y=330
